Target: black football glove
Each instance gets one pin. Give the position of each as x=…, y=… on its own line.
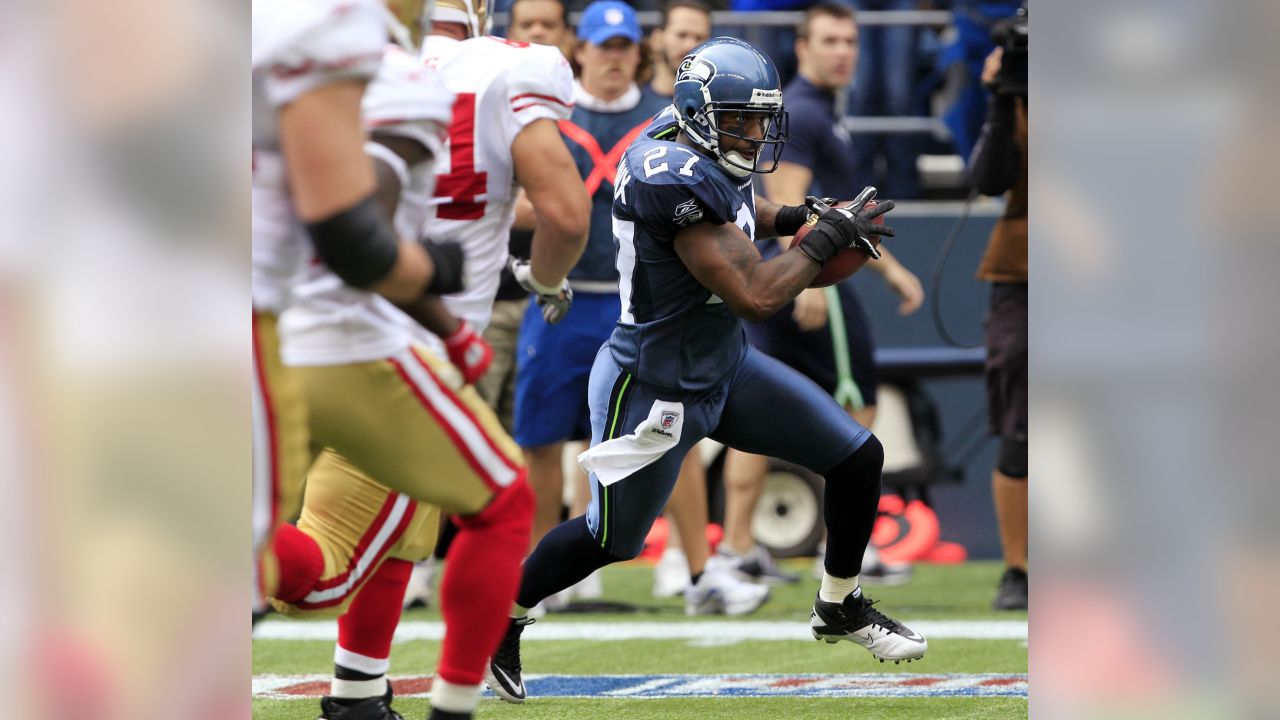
x=840, y=228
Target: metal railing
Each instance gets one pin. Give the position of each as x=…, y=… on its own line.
x=756, y=24
x=783, y=18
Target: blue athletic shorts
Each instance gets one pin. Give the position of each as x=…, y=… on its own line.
x=764, y=407
x=553, y=365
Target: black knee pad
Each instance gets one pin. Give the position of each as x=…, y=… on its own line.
x=1013, y=457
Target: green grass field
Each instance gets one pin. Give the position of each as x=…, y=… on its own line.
x=936, y=594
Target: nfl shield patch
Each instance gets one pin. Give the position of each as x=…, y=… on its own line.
x=669, y=418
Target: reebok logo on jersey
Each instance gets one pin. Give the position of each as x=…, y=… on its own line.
x=687, y=212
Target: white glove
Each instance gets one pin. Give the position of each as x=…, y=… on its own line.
x=555, y=302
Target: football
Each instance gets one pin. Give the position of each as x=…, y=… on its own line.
x=847, y=261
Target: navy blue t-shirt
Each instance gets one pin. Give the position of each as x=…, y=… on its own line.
x=673, y=333
x=817, y=142
x=596, y=140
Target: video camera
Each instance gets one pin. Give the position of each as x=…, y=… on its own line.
x=1011, y=34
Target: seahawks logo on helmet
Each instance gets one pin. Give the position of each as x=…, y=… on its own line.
x=695, y=68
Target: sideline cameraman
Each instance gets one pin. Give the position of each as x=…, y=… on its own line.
x=999, y=166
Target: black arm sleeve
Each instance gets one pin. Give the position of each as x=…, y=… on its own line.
x=993, y=168
x=357, y=244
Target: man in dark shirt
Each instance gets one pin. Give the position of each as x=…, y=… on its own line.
x=826, y=333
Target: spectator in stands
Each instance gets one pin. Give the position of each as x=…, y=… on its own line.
x=686, y=24
x=999, y=166
x=540, y=21
x=885, y=86
x=962, y=63
x=826, y=333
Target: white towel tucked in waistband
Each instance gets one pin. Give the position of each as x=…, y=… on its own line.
x=613, y=460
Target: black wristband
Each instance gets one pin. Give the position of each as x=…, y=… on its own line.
x=822, y=243
x=449, y=263
x=357, y=244
x=789, y=219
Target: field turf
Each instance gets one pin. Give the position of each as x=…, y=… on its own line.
x=935, y=595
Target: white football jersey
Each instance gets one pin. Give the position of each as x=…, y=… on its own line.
x=329, y=322
x=298, y=45
x=499, y=87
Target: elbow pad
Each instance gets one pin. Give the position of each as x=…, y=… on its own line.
x=357, y=244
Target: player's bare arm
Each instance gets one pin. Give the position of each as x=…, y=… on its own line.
x=322, y=140
x=545, y=169
x=428, y=311
x=726, y=262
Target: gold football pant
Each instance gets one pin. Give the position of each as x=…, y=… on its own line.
x=357, y=524
x=402, y=423
x=280, y=447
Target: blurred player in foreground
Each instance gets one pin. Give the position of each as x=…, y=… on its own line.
x=313, y=193
x=678, y=368
x=394, y=411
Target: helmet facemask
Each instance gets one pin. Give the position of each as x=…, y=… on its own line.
x=764, y=128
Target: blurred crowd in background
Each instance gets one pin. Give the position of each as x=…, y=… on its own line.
x=919, y=63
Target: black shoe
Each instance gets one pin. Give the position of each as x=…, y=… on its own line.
x=857, y=621
x=374, y=708
x=437, y=714
x=503, y=675
x=1012, y=593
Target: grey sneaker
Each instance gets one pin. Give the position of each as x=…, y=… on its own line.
x=757, y=565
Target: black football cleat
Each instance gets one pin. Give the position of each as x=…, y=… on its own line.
x=1012, y=593
x=503, y=675
x=857, y=621
x=373, y=708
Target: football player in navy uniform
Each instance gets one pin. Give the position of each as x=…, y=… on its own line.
x=677, y=367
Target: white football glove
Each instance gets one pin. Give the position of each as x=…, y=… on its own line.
x=555, y=302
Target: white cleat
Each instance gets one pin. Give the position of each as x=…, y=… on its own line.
x=857, y=621
x=720, y=592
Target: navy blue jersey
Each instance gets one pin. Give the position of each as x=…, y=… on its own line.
x=597, y=139
x=673, y=332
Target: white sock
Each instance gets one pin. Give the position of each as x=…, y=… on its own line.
x=836, y=589
x=376, y=687
x=454, y=698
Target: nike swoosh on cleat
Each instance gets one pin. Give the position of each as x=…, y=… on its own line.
x=507, y=681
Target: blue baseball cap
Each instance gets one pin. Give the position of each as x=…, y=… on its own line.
x=607, y=19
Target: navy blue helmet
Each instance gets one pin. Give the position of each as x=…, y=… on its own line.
x=727, y=87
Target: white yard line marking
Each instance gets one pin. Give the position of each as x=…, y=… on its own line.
x=298, y=687
x=700, y=633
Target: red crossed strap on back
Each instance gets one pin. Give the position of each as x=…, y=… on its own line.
x=605, y=164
